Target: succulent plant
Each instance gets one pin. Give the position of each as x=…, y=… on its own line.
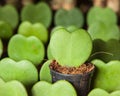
x=101, y=92
x=60, y=88
x=37, y=13
x=106, y=15
x=107, y=75
x=105, y=32
x=39, y=30
x=30, y=48
x=12, y=88
x=23, y=71
x=70, y=52
x=9, y=14
x=5, y=30
x=69, y=28
x=105, y=41
x=67, y=18
x=44, y=73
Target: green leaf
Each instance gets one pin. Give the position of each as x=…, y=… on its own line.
x=104, y=32
x=5, y=30
x=49, y=54
x=37, y=13
x=107, y=75
x=9, y=14
x=69, y=28
x=23, y=71
x=101, y=92
x=105, y=15
x=71, y=48
x=106, y=51
x=37, y=29
x=45, y=72
x=30, y=48
x=67, y=18
x=12, y=88
x=60, y=88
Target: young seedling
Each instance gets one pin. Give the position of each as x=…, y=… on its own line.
x=71, y=49
x=74, y=51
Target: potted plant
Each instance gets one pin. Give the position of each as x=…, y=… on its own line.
x=71, y=51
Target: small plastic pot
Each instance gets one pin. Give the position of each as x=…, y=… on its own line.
x=81, y=82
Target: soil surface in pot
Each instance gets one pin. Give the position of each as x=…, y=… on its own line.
x=84, y=68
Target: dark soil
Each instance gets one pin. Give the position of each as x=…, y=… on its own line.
x=84, y=68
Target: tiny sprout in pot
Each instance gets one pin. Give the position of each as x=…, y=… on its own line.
x=71, y=50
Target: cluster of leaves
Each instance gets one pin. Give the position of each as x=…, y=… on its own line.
x=69, y=45
x=26, y=49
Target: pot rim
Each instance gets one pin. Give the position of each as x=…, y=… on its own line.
x=82, y=74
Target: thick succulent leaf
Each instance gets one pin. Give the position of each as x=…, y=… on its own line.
x=12, y=88
x=71, y=48
x=37, y=13
x=37, y=29
x=60, y=88
x=67, y=18
x=101, y=92
x=106, y=73
x=10, y=15
x=5, y=30
x=30, y=48
x=23, y=71
x=45, y=72
x=106, y=15
x=100, y=30
x=98, y=92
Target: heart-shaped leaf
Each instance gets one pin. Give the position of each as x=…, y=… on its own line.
x=9, y=14
x=37, y=29
x=5, y=30
x=67, y=18
x=45, y=72
x=12, y=88
x=60, y=88
x=101, y=92
x=71, y=51
x=30, y=48
x=106, y=15
x=107, y=75
x=37, y=13
x=23, y=71
x=70, y=29
x=99, y=30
